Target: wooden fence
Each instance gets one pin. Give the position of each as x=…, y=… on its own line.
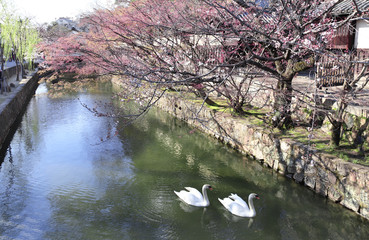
x=211, y=55
x=361, y=55
x=332, y=72
x=329, y=71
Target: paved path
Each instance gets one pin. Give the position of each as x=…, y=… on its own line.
x=305, y=83
x=12, y=79
x=358, y=103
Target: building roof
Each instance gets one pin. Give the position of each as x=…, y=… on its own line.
x=346, y=7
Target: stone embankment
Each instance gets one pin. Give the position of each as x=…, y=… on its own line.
x=13, y=104
x=342, y=182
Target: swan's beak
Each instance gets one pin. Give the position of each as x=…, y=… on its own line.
x=257, y=197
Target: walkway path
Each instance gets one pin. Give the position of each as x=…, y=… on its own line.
x=358, y=104
x=15, y=83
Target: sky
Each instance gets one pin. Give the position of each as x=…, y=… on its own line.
x=41, y=11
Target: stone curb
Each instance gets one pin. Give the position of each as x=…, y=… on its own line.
x=14, y=104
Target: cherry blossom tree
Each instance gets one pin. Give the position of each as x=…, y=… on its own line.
x=290, y=37
x=197, y=43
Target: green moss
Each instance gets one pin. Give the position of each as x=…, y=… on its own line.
x=345, y=157
x=322, y=146
x=308, y=111
x=257, y=122
x=302, y=65
x=366, y=161
x=218, y=108
x=257, y=111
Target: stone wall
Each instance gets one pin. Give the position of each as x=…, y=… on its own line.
x=340, y=181
x=15, y=104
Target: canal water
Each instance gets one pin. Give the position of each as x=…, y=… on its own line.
x=68, y=174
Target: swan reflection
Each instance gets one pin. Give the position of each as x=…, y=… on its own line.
x=233, y=218
x=187, y=208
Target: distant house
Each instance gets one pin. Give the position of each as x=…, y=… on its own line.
x=68, y=23
x=362, y=35
x=354, y=35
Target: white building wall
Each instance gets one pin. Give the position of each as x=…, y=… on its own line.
x=362, y=35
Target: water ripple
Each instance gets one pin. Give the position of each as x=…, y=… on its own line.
x=75, y=192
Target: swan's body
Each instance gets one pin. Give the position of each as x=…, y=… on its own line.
x=193, y=197
x=238, y=206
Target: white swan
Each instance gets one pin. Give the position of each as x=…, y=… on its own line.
x=193, y=197
x=238, y=206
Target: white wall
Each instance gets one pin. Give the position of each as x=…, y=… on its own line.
x=362, y=34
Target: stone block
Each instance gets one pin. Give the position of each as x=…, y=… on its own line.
x=298, y=176
x=310, y=168
x=343, y=169
x=291, y=168
x=285, y=150
x=332, y=179
x=275, y=165
x=322, y=175
x=364, y=211
x=351, y=196
x=363, y=198
x=352, y=177
x=335, y=194
x=321, y=187
x=363, y=178
x=310, y=181
x=351, y=203
x=282, y=168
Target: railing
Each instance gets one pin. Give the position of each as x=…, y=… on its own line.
x=211, y=55
x=361, y=54
x=331, y=72
x=220, y=54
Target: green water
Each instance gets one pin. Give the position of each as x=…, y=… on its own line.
x=60, y=181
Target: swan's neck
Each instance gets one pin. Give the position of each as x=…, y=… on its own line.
x=251, y=205
x=205, y=195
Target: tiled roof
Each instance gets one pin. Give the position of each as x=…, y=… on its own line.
x=346, y=7
x=266, y=17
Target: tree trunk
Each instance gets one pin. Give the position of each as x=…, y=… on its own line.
x=3, y=83
x=337, y=122
x=17, y=69
x=2, y=70
x=206, y=98
x=282, y=104
x=359, y=138
x=238, y=108
x=336, y=133
x=23, y=70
